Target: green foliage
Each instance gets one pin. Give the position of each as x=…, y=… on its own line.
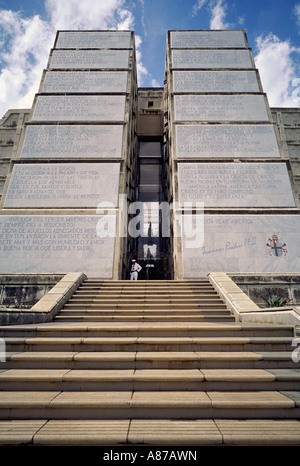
x=275, y=301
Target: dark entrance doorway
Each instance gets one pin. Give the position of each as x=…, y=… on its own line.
x=151, y=246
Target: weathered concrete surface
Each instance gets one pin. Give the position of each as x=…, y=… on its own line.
x=47, y=305
x=247, y=310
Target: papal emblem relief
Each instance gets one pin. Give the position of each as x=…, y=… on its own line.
x=276, y=247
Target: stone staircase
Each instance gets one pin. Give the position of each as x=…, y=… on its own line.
x=148, y=363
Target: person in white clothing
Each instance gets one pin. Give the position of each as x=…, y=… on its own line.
x=135, y=268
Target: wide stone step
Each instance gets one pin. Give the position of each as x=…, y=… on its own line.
x=101, y=282
x=136, y=287
x=197, y=432
x=143, y=293
x=142, y=300
x=149, y=380
x=85, y=316
x=73, y=343
x=149, y=360
x=161, y=329
x=138, y=290
x=146, y=283
x=144, y=305
x=147, y=405
x=143, y=312
x=159, y=307
x=149, y=291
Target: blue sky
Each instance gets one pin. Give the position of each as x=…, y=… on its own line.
x=27, y=31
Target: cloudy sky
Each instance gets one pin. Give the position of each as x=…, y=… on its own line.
x=28, y=28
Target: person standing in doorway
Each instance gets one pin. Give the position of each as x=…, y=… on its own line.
x=135, y=269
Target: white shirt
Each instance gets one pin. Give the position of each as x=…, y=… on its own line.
x=136, y=267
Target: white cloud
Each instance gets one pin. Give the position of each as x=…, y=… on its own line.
x=143, y=22
x=277, y=69
x=278, y=61
x=155, y=83
x=26, y=42
x=142, y=71
x=217, y=10
x=241, y=20
x=296, y=10
x=24, y=54
x=197, y=6
x=218, y=16
x=126, y=20
x=88, y=14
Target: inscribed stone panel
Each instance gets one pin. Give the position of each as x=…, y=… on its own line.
x=89, y=59
x=93, y=39
x=55, y=244
x=71, y=141
x=241, y=244
x=63, y=185
x=79, y=108
x=208, y=39
x=199, y=141
x=85, y=81
x=220, y=108
x=211, y=59
x=215, y=81
x=235, y=184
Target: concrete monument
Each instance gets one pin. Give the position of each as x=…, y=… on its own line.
x=69, y=170
x=64, y=185
x=235, y=184
x=226, y=160
x=96, y=151
x=73, y=141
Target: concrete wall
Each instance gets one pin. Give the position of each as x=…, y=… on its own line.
x=11, y=127
x=87, y=94
x=22, y=291
x=264, y=286
x=35, y=298
x=223, y=147
x=150, y=112
x=288, y=123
